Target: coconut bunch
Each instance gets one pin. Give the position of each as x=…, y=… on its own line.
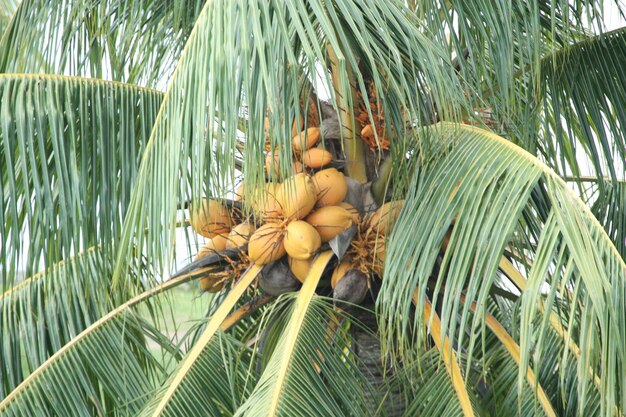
x=212, y=219
x=291, y=222
x=306, y=154
x=295, y=219
x=366, y=256
x=298, y=216
x=377, y=128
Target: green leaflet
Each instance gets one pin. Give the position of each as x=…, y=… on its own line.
x=69, y=154
x=494, y=180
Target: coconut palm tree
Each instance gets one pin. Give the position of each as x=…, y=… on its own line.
x=498, y=290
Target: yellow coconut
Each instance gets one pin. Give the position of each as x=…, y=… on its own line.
x=297, y=168
x=240, y=235
x=266, y=244
x=301, y=240
x=367, y=131
x=295, y=127
x=272, y=164
x=264, y=202
x=339, y=272
x=331, y=187
x=316, y=158
x=216, y=244
x=239, y=191
x=210, y=218
x=356, y=216
x=330, y=221
x=384, y=218
x=209, y=282
x=300, y=268
x=305, y=139
x=296, y=196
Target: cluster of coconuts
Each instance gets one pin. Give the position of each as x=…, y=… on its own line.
x=305, y=154
x=295, y=218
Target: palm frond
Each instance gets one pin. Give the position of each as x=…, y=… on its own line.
x=69, y=154
x=479, y=187
x=431, y=320
x=498, y=45
x=610, y=210
x=270, y=44
x=582, y=90
x=309, y=373
x=113, y=349
x=44, y=312
x=7, y=10
x=131, y=41
x=188, y=391
x=427, y=388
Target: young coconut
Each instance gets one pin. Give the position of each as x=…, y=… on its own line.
x=330, y=221
x=277, y=279
x=340, y=271
x=240, y=235
x=384, y=218
x=209, y=218
x=266, y=244
x=272, y=163
x=356, y=216
x=305, y=139
x=295, y=126
x=264, y=203
x=301, y=240
x=352, y=287
x=239, y=191
x=300, y=268
x=209, y=282
x=296, y=196
x=331, y=187
x=316, y=157
x=215, y=244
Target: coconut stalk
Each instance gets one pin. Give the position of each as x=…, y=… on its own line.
x=351, y=141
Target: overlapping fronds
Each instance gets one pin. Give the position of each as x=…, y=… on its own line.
x=311, y=371
x=42, y=313
x=610, y=210
x=188, y=390
x=7, y=9
x=427, y=390
x=71, y=149
x=479, y=189
x=106, y=369
x=245, y=58
x=583, y=100
x=498, y=46
x=132, y=41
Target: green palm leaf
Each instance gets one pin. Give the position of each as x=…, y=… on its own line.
x=70, y=150
x=7, y=9
x=308, y=374
x=495, y=180
x=609, y=209
x=105, y=369
x=582, y=93
x=41, y=314
x=427, y=388
x=188, y=391
x=132, y=41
